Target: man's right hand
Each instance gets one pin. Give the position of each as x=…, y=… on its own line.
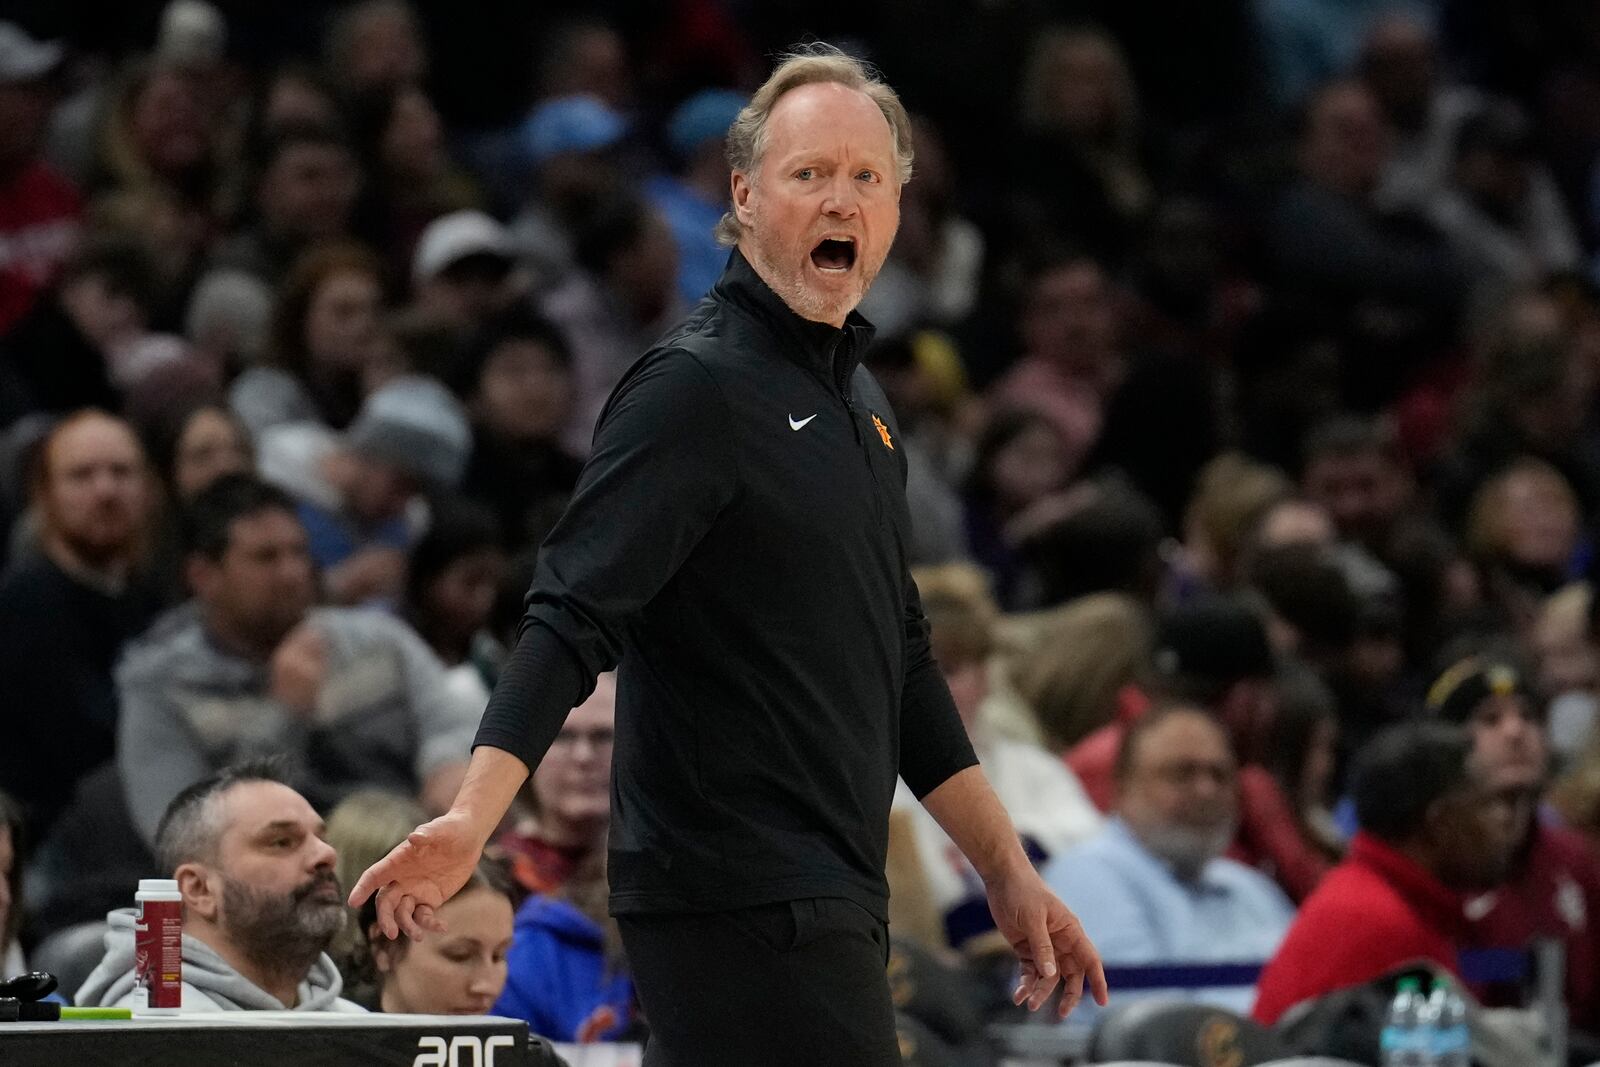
x=420, y=874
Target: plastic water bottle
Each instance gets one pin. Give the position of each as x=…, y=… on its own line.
x=1407, y=1039
x=1452, y=1041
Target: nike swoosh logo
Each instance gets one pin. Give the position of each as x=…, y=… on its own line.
x=793, y=425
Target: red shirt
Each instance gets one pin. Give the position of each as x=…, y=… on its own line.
x=538, y=866
x=1554, y=893
x=39, y=212
x=1375, y=911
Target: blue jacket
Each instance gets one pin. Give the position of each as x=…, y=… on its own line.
x=556, y=976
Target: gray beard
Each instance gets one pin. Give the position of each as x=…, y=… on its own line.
x=1188, y=850
x=283, y=935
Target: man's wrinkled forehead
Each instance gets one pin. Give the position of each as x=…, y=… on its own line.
x=253, y=809
x=824, y=116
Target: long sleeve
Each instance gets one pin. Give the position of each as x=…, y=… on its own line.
x=661, y=471
x=933, y=742
x=157, y=752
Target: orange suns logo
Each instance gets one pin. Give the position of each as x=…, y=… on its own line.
x=883, y=432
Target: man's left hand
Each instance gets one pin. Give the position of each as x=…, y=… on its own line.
x=1049, y=942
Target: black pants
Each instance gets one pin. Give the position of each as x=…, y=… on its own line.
x=801, y=983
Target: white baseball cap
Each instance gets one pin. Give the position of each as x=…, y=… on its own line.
x=453, y=237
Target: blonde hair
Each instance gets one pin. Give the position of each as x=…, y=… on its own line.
x=1232, y=494
x=814, y=64
x=1489, y=520
x=1071, y=662
x=960, y=609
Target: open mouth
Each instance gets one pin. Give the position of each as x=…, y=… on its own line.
x=836, y=254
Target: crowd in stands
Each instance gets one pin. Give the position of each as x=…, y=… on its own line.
x=1247, y=359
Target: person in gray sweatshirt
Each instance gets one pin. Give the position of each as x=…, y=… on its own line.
x=261, y=901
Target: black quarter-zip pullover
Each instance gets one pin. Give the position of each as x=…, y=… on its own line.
x=737, y=541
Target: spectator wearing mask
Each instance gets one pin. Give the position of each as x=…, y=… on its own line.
x=515, y=377
x=349, y=698
x=455, y=573
x=1552, y=889
x=567, y=801
x=66, y=613
x=326, y=340
x=692, y=200
x=306, y=183
x=260, y=901
x=1153, y=886
x=935, y=892
x=358, y=492
x=39, y=209
x=459, y=972
x=462, y=269
x=1431, y=828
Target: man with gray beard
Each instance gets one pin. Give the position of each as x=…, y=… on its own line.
x=261, y=901
x=1153, y=886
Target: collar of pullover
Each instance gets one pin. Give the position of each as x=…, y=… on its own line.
x=828, y=350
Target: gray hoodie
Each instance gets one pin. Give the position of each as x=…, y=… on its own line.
x=209, y=984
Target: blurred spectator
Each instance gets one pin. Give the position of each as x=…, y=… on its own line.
x=410, y=178
x=260, y=901
x=567, y=801
x=174, y=238
x=1400, y=65
x=160, y=131
x=693, y=199
x=1043, y=797
x=1191, y=299
x=567, y=974
x=459, y=972
x=1231, y=495
x=109, y=292
x=1018, y=486
x=305, y=185
x=229, y=319
x=39, y=208
x=1106, y=537
x=191, y=446
x=1302, y=754
x=586, y=56
x=1070, y=361
x=455, y=573
x=1077, y=669
x=515, y=376
x=1382, y=284
x=1501, y=209
x=570, y=144
x=1079, y=174
x=349, y=698
x=1306, y=42
x=1431, y=827
x=363, y=828
x=622, y=297
x=931, y=276
x=462, y=268
x=1553, y=883
x=376, y=46
x=292, y=96
x=358, y=492
x=66, y=613
x=1568, y=669
x=11, y=961
x=325, y=343
x=1153, y=887
x=1523, y=535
